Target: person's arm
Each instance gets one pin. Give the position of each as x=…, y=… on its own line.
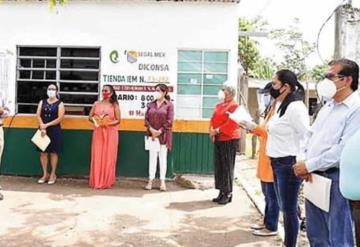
x=259, y=131
x=230, y=125
x=169, y=119
x=61, y=113
x=331, y=157
x=299, y=120
x=4, y=110
x=38, y=113
x=117, y=116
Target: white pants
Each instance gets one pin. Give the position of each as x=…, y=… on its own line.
x=1, y=142
x=153, y=155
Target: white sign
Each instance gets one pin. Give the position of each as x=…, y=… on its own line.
x=133, y=74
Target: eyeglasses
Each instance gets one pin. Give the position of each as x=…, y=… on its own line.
x=105, y=91
x=334, y=77
x=51, y=89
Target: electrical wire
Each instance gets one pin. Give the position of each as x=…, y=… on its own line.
x=322, y=27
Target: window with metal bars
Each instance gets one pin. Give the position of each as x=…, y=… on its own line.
x=76, y=71
x=200, y=76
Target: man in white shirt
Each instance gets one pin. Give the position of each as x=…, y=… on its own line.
x=338, y=120
x=4, y=112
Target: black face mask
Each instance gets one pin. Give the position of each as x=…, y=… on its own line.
x=275, y=92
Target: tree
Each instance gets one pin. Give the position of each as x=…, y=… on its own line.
x=53, y=3
x=254, y=65
x=295, y=49
x=318, y=71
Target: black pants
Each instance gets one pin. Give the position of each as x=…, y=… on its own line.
x=356, y=214
x=224, y=157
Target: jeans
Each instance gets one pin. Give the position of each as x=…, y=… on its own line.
x=287, y=187
x=271, y=216
x=333, y=228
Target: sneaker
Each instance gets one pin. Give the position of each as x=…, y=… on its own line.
x=264, y=233
x=257, y=226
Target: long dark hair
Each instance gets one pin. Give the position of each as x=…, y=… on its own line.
x=297, y=90
x=164, y=89
x=113, y=98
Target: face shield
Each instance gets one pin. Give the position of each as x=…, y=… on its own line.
x=264, y=100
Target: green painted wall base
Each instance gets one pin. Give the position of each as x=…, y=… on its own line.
x=192, y=153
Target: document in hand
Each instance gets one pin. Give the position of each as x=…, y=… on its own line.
x=318, y=191
x=153, y=145
x=240, y=115
x=41, y=142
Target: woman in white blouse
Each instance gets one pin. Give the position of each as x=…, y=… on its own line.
x=286, y=130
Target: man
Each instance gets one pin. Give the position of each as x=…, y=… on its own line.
x=4, y=112
x=338, y=120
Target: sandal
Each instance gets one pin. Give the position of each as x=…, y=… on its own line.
x=163, y=186
x=148, y=186
x=52, y=180
x=43, y=180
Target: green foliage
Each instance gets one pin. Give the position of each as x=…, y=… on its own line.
x=294, y=48
x=318, y=71
x=53, y=3
x=247, y=47
x=254, y=65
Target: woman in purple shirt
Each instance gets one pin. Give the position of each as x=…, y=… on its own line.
x=159, y=119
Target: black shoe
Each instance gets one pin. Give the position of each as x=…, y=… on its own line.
x=216, y=199
x=227, y=198
x=1, y=197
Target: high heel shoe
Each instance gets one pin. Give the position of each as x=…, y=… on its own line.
x=216, y=199
x=227, y=198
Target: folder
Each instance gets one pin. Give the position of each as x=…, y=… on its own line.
x=42, y=142
x=152, y=145
x=318, y=191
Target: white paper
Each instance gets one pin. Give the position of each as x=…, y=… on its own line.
x=41, y=142
x=240, y=115
x=153, y=145
x=318, y=191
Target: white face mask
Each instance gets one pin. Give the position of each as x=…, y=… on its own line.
x=157, y=95
x=326, y=89
x=221, y=95
x=51, y=93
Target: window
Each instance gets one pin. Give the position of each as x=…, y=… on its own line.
x=75, y=71
x=200, y=77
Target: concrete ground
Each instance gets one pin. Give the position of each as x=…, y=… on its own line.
x=70, y=214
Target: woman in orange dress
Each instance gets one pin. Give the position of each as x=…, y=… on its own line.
x=265, y=173
x=105, y=115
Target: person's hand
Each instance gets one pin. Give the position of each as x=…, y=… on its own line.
x=43, y=126
x=212, y=132
x=300, y=169
x=43, y=133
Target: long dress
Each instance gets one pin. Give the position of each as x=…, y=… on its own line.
x=104, y=150
x=49, y=112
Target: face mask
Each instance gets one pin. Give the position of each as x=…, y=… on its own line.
x=106, y=95
x=275, y=92
x=221, y=95
x=326, y=89
x=51, y=93
x=157, y=95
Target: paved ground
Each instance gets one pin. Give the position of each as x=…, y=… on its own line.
x=70, y=214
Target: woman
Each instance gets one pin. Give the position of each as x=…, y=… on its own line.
x=286, y=130
x=105, y=115
x=265, y=174
x=159, y=119
x=49, y=113
x=225, y=134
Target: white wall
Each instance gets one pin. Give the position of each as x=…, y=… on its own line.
x=121, y=25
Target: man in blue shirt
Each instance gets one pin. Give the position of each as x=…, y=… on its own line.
x=336, y=122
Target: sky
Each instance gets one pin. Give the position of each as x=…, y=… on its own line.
x=281, y=13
